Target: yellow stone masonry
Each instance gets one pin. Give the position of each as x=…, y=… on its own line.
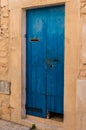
x=82, y=70
x=4, y=36
x=4, y=56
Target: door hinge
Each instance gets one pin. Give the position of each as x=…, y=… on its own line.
x=25, y=35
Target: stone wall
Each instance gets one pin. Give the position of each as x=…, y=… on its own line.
x=4, y=56
x=4, y=36
x=81, y=82
x=82, y=73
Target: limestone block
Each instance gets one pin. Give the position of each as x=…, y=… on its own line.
x=4, y=107
x=83, y=37
x=5, y=87
x=83, y=121
x=4, y=10
x=3, y=53
x=84, y=60
x=81, y=105
x=82, y=66
x=4, y=3
x=5, y=113
x=4, y=35
x=70, y=120
x=81, y=95
x=83, y=73
x=83, y=7
x=3, y=45
x=78, y=120
x=3, y=68
x=15, y=28
x=13, y=4
x=31, y=3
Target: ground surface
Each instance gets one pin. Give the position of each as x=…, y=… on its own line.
x=4, y=125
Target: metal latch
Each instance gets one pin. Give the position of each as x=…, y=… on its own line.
x=34, y=39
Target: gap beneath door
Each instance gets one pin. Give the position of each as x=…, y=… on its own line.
x=55, y=116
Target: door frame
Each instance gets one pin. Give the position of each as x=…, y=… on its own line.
x=24, y=54
x=70, y=6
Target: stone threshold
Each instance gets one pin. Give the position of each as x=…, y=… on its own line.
x=42, y=124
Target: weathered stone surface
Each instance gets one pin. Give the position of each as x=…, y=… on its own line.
x=4, y=57
x=81, y=82
x=4, y=125
x=5, y=87
x=83, y=7
x=82, y=68
x=4, y=36
x=5, y=107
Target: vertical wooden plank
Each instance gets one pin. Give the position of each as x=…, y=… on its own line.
x=36, y=54
x=55, y=50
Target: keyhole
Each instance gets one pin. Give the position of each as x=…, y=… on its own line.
x=47, y=61
x=51, y=66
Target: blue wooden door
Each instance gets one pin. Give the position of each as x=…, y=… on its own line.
x=45, y=61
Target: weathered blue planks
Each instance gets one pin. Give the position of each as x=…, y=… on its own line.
x=45, y=60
